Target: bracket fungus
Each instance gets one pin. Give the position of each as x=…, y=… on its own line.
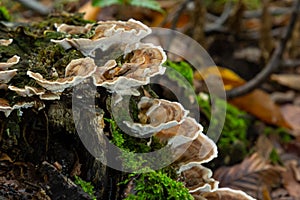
x=145, y=62
x=76, y=71
x=10, y=62
x=27, y=91
x=156, y=115
x=5, y=42
x=107, y=34
x=134, y=66
x=5, y=74
x=199, y=178
x=7, y=108
x=71, y=29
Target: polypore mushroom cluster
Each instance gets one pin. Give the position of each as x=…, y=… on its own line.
x=6, y=75
x=137, y=63
x=133, y=66
x=170, y=123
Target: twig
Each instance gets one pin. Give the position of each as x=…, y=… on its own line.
x=35, y=6
x=273, y=11
x=273, y=63
x=178, y=13
x=219, y=21
x=289, y=63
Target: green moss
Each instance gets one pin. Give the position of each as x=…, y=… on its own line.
x=4, y=14
x=130, y=143
x=158, y=185
x=67, y=18
x=282, y=133
x=86, y=186
x=153, y=185
x=180, y=67
x=274, y=157
x=233, y=141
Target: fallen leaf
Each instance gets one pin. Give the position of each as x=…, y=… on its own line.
x=252, y=176
x=289, y=80
x=257, y=102
x=296, y=171
x=260, y=104
x=264, y=146
x=230, y=79
x=291, y=113
x=289, y=181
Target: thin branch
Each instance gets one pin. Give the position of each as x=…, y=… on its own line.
x=35, y=6
x=273, y=63
x=178, y=13
x=219, y=21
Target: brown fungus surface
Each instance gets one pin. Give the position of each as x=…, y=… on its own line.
x=7, y=75
x=225, y=193
x=199, y=178
x=72, y=29
x=143, y=63
x=10, y=62
x=27, y=91
x=76, y=71
x=5, y=42
x=156, y=115
x=7, y=108
x=108, y=34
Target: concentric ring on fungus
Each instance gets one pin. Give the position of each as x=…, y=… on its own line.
x=76, y=71
x=146, y=61
x=107, y=34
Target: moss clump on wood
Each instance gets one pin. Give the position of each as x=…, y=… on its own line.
x=157, y=185
x=233, y=142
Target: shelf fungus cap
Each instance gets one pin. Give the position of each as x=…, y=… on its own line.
x=156, y=115
x=72, y=29
x=5, y=42
x=10, y=62
x=7, y=75
x=146, y=61
x=225, y=193
x=7, y=109
x=108, y=34
x=76, y=71
x=199, y=178
x=27, y=91
x=50, y=96
x=181, y=136
x=201, y=150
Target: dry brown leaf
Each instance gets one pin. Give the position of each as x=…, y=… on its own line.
x=296, y=171
x=289, y=80
x=264, y=146
x=291, y=113
x=251, y=176
x=257, y=103
x=260, y=104
x=289, y=181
